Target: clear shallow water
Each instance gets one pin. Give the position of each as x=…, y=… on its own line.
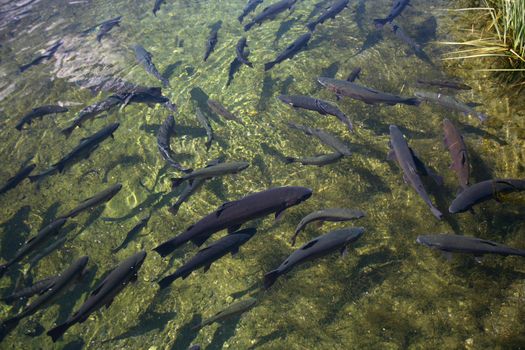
x=388, y=292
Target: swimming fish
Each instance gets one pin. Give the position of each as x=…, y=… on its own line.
x=234, y=309
x=318, y=160
x=332, y=11
x=290, y=51
x=270, y=12
x=451, y=103
x=212, y=40
x=145, y=59
x=17, y=178
x=97, y=199
x=39, y=112
x=242, y=53
x=211, y=172
x=206, y=125
x=92, y=111
x=325, y=137
x=220, y=110
x=106, y=26
x=250, y=6
x=458, y=152
x=50, y=52
x=166, y=130
x=397, y=7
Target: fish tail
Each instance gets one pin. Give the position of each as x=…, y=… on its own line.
x=311, y=26
x=166, y=248
x=174, y=209
x=240, y=18
x=167, y=281
x=19, y=126
x=268, y=66
x=270, y=277
x=289, y=160
x=380, y=22
x=248, y=26
x=67, y=131
x=413, y=101
x=176, y=181
x=58, y=331
x=8, y=326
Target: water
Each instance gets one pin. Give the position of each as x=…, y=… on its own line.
x=388, y=292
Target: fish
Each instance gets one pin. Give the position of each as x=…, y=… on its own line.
x=250, y=7
x=451, y=103
x=207, y=256
x=325, y=137
x=39, y=112
x=329, y=214
x=401, y=34
x=332, y=11
x=57, y=286
x=91, y=202
x=156, y=6
x=163, y=143
x=141, y=94
x=397, y=7
x=314, y=104
x=290, y=51
x=234, y=67
x=13, y=181
x=445, y=84
x=106, y=26
x=83, y=150
x=220, y=110
x=145, y=59
x=318, y=160
x=33, y=261
x=50, y=52
x=212, y=40
x=317, y=247
x=231, y=215
x=270, y=12
x=365, y=94
x=448, y=244
x=411, y=165
x=458, y=152
x=92, y=111
x=234, y=309
x=132, y=233
x=284, y=28
x=242, y=53
x=211, y=172
x=34, y=243
x=206, y=125
x=104, y=293
x=25, y=293
x=483, y=191
x=354, y=74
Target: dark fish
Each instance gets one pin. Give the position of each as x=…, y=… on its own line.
x=319, y=160
x=34, y=243
x=397, y=7
x=45, y=56
x=211, y=172
x=330, y=13
x=231, y=215
x=25, y=293
x=83, y=150
x=363, y=93
x=220, y=110
x=330, y=214
x=411, y=165
x=483, y=191
x=190, y=189
x=92, y=111
x=234, y=309
x=156, y=6
x=132, y=233
x=401, y=34
x=242, y=53
x=449, y=244
x=141, y=94
x=250, y=6
x=445, y=84
x=106, y=26
x=270, y=12
x=450, y=102
x=299, y=44
x=16, y=179
x=458, y=151
x=163, y=143
x=325, y=137
x=314, y=104
x=284, y=28
x=373, y=38
x=39, y=112
x=104, y=293
x=212, y=40
x=91, y=202
x=205, y=257
x=234, y=67
x=317, y=247
x=59, y=284
x=206, y=125
x=144, y=57
x=354, y=74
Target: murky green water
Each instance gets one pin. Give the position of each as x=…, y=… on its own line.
x=388, y=292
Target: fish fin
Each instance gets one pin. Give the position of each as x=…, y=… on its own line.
x=391, y=156
x=199, y=240
x=234, y=228
x=270, y=277
x=207, y=267
x=309, y=244
x=223, y=207
x=447, y=255
x=166, y=281
x=235, y=251
x=473, y=104
x=289, y=160
x=176, y=181
x=344, y=251
x=98, y=288
x=279, y=214
x=58, y=331
x=380, y=22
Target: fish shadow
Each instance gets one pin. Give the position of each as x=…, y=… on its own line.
x=225, y=331
x=479, y=169
x=278, y=334
x=122, y=160
x=185, y=333
x=74, y=344
x=267, y=91
x=285, y=87
x=17, y=223
x=50, y=215
x=170, y=69
x=249, y=290
x=93, y=216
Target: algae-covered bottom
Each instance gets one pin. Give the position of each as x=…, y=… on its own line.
x=388, y=292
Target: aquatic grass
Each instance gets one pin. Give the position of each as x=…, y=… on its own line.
x=500, y=38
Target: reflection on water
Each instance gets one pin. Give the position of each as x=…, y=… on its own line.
x=388, y=292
